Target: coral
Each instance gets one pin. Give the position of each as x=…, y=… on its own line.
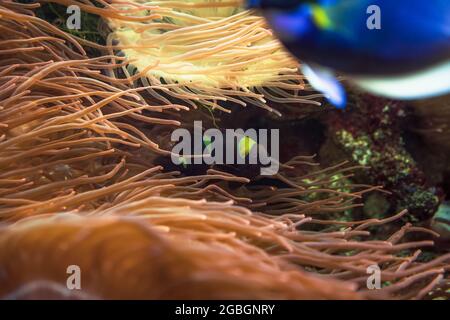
x=370, y=132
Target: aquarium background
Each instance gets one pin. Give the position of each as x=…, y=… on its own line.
x=93, y=207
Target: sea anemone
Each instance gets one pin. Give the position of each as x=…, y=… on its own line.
x=79, y=186
x=140, y=261
x=209, y=53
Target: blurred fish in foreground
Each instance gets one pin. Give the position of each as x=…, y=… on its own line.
x=398, y=49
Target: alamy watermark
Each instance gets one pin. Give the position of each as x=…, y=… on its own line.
x=73, y=281
x=229, y=146
x=374, y=280
x=374, y=20
x=73, y=22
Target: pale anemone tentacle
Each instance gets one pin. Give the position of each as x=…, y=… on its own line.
x=210, y=52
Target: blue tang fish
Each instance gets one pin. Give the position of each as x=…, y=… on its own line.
x=394, y=48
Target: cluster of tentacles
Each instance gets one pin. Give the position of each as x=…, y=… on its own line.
x=79, y=186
